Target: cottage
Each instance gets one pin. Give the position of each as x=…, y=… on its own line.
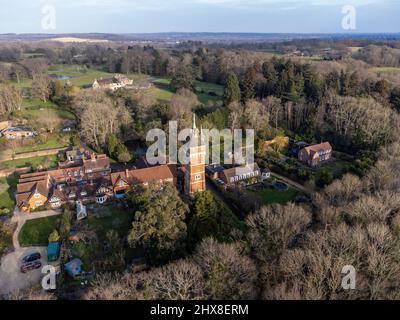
x=316, y=154
x=14, y=133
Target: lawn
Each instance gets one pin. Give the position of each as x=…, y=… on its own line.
x=165, y=93
x=111, y=218
x=55, y=141
x=36, y=232
x=270, y=196
x=34, y=109
x=7, y=188
x=47, y=162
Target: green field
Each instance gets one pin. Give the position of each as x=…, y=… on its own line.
x=270, y=196
x=202, y=89
x=36, y=232
x=50, y=161
x=34, y=110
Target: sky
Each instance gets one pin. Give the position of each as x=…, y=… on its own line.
x=148, y=16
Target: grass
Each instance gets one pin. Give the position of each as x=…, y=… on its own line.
x=7, y=188
x=34, y=109
x=54, y=142
x=112, y=218
x=45, y=161
x=271, y=196
x=165, y=93
x=36, y=232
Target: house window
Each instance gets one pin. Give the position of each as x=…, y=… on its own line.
x=37, y=195
x=38, y=203
x=197, y=177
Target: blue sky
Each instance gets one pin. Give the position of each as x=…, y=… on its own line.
x=137, y=16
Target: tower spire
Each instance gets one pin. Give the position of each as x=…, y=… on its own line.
x=194, y=121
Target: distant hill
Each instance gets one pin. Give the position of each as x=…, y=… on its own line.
x=201, y=36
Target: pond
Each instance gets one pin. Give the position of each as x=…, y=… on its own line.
x=58, y=76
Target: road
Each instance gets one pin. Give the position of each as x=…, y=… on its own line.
x=11, y=278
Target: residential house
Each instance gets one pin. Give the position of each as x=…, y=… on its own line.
x=241, y=174
x=121, y=181
x=316, y=154
x=88, y=181
x=114, y=83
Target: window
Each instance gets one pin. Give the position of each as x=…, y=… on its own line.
x=38, y=203
x=37, y=195
x=197, y=177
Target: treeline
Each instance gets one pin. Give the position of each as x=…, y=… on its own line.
x=380, y=56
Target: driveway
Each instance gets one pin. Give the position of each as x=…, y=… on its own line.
x=11, y=278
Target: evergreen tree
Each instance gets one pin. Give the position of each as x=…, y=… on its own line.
x=232, y=89
x=249, y=85
x=112, y=143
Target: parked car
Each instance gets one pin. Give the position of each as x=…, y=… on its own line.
x=31, y=257
x=29, y=266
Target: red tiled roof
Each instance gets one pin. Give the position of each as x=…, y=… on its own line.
x=146, y=175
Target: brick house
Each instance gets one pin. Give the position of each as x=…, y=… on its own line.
x=316, y=154
x=121, y=181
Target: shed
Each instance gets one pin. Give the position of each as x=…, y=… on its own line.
x=74, y=267
x=53, y=251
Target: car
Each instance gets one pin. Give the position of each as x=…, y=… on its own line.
x=31, y=257
x=29, y=266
